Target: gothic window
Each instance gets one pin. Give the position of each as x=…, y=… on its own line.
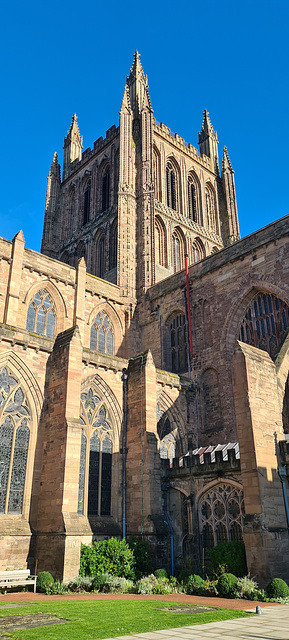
x=95, y=457
x=266, y=323
x=105, y=190
x=41, y=314
x=160, y=243
x=192, y=200
x=101, y=334
x=221, y=513
x=86, y=204
x=178, y=362
x=167, y=439
x=100, y=255
x=157, y=174
x=214, y=250
x=212, y=413
x=113, y=245
x=171, y=186
x=14, y=441
x=178, y=251
x=198, y=250
x=211, y=208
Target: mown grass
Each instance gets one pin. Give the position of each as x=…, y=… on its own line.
x=93, y=619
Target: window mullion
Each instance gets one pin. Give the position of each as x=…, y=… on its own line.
x=10, y=470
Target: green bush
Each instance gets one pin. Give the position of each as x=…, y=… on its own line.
x=80, y=583
x=161, y=573
x=107, y=583
x=277, y=588
x=246, y=588
x=142, y=556
x=195, y=585
x=109, y=556
x=227, y=585
x=44, y=582
x=229, y=557
x=146, y=584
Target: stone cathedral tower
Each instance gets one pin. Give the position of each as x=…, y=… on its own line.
x=141, y=199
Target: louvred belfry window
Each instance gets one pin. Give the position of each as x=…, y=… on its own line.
x=41, y=314
x=266, y=323
x=105, y=190
x=192, y=200
x=15, y=418
x=171, y=186
x=95, y=457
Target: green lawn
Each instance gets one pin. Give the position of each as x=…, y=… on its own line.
x=94, y=619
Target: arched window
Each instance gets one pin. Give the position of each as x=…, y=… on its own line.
x=171, y=186
x=266, y=323
x=198, y=250
x=177, y=349
x=221, y=513
x=101, y=334
x=167, y=439
x=113, y=245
x=15, y=418
x=178, y=251
x=95, y=457
x=160, y=243
x=41, y=314
x=192, y=200
x=105, y=186
x=214, y=250
x=211, y=208
x=157, y=174
x=86, y=204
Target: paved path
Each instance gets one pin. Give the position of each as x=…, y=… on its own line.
x=272, y=624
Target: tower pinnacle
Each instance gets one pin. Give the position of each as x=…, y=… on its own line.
x=208, y=141
x=72, y=146
x=137, y=83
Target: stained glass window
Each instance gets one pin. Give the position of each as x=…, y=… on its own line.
x=178, y=344
x=101, y=334
x=41, y=314
x=221, y=512
x=266, y=323
x=98, y=432
x=14, y=443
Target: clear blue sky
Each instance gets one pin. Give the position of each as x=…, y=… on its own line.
x=230, y=57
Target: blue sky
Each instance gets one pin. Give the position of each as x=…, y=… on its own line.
x=229, y=57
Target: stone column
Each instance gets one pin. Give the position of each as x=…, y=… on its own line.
x=15, y=277
x=259, y=428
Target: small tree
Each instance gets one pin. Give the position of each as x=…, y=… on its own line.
x=108, y=556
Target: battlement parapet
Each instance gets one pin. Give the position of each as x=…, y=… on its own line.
x=180, y=142
x=219, y=459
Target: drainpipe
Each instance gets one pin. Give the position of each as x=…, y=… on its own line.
x=282, y=475
x=124, y=443
x=165, y=488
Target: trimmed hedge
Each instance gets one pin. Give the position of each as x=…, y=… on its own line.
x=277, y=588
x=227, y=585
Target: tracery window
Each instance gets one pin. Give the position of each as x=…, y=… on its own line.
x=86, y=205
x=100, y=255
x=101, y=334
x=94, y=492
x=266, y=323
x=198, y=251
x=105, y=189
x=178, y=344
x=171, y=186
x=15, y=417
x=221, y=513
x=41, y=314
x=113, y=245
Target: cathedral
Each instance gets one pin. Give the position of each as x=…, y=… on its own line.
x=144, y=358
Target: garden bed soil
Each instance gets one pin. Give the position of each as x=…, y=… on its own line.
x=225, y=603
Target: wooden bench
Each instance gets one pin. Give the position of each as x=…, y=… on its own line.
x=18, y=578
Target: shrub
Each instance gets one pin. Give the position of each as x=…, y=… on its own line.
x=195, y=585
x=246, y=588
x=109, y=556
x=229, y=556
x=146, y=584
x=161, y=573
x=227, y=585
x=277, y=588
x=107, y=583
x=141, y=553
x=80, y=583
x=44, y=581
